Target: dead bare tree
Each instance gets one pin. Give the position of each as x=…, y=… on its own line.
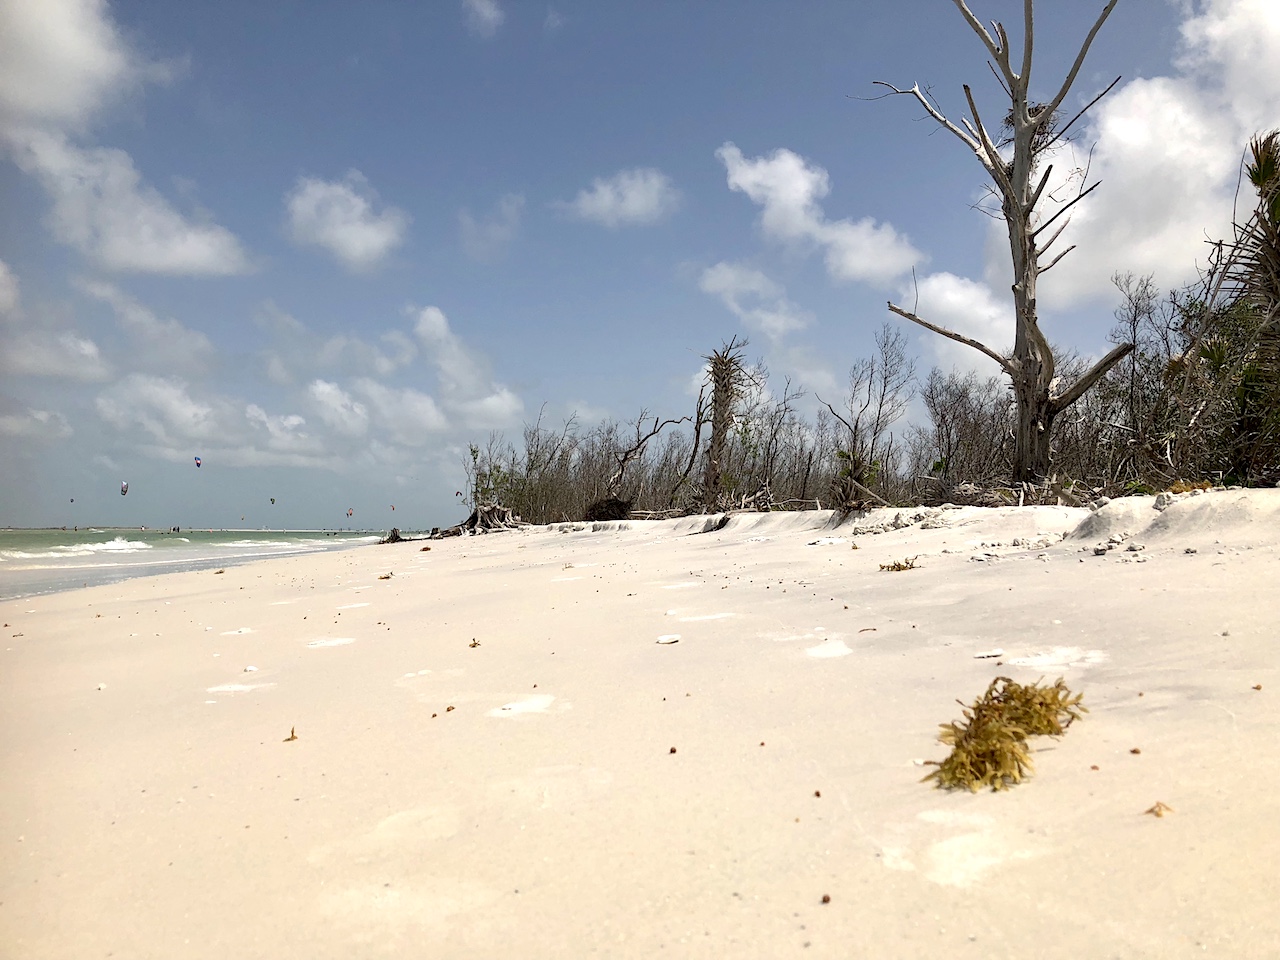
x=699, y=421
x=643, y=436
x=880, y=389
x=1012, y=166
x=965, y=436
x=850, y=480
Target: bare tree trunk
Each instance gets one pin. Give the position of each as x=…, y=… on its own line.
x=1031, y=439
x=804, y=483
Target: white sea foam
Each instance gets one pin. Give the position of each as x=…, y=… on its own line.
x=41, y=561
x=118, y=545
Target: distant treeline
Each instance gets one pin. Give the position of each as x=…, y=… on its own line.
x=1198, y=400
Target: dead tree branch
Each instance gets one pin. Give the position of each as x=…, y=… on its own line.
x=1094, y=374
x=1005, y=363
x=636, y=450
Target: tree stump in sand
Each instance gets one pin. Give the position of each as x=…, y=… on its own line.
x=484, y=518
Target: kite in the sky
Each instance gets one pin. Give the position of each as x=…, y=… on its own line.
x=273, y=500
x=197, y=463
x=350, y=511
x=393, y=506
x=124, y=487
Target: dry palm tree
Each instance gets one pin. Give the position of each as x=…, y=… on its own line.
x=1258, y=240
x=1251, y=278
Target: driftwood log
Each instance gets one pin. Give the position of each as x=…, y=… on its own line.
x=934, y=491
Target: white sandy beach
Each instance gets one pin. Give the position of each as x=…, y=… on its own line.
x=484, y=761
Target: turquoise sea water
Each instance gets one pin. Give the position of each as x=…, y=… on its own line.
x=46, y=561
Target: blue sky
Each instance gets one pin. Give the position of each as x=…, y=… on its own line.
x=324, y=246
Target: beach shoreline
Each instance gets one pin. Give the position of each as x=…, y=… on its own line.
x=635, y=737
x=38, y=561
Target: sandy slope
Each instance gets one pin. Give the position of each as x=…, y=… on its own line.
x=546, y=815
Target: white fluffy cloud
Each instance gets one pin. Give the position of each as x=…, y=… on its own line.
x=102, y=208
x=35, y=425
x=158, y=343
x=42, y=352
x=164, y=419
x=1233, y=46
x=410, y=416
x=484, y=17
x=466, y=388
x=630, y=197
x=496, y=408
x=458, y=369
x=357, y=396
x=965, y=307
x=297, y=353
x=61, y=63
x=353, y=353
x=8, y=290
x=340, y=216
x=338, y=408
x=755, y=299
x=163, y=408
x=1167, y=151
x=788, y=189
x=485, y=240
x=283, y=433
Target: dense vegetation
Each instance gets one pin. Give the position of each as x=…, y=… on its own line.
x=1197, y=400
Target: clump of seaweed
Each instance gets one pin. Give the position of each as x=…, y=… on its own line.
x=989, y=746
x=899, y=565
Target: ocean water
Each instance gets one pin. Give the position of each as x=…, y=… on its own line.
x=46, y=561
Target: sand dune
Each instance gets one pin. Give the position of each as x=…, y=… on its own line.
x=634, y=739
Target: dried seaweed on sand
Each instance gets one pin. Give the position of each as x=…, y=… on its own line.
x=989, y=746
